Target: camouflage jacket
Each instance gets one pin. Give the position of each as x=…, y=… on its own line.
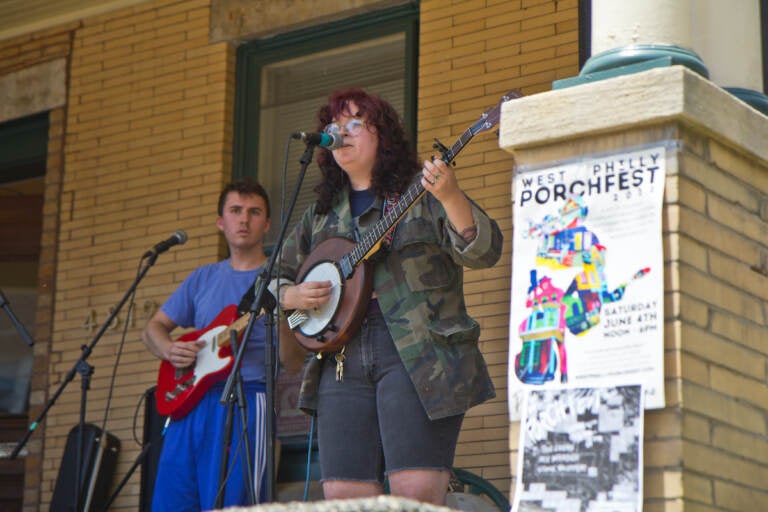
x=418, y=281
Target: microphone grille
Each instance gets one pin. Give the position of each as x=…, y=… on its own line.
x=337, y=139
x=181, y=236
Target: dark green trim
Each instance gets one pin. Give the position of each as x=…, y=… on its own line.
x=23, y=148
x=637, y=53
x=584, y=78
x=754, y=99
x=626, y=60
x=253, y=55
x=479, y=485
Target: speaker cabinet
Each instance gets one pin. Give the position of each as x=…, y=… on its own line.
x=98, y=462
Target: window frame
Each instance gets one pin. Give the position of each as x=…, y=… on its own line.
x=252, y=56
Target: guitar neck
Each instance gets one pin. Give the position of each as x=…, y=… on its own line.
x=223, y=338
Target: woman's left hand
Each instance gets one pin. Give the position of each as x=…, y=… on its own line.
x=439, y=179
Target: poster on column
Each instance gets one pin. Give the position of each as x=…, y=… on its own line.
x=587, y=297
x=581, y=449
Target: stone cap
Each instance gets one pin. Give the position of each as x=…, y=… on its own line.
x=648, y=98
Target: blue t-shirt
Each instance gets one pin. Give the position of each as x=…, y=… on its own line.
x=202, y=296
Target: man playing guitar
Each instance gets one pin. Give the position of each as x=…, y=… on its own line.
x=188, y=471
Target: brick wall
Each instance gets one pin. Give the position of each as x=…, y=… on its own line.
x=148, y=138
x=723, y=220
x=706, y=449
x=471, y=53
x=31, y=49
x=17, y=54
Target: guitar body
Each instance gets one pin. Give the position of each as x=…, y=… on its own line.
x=331, y=326
x=179, y=390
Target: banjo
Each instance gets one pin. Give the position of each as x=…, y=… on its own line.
x=346, y=264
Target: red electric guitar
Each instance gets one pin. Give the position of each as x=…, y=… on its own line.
x=345, y=263
x=179, y=390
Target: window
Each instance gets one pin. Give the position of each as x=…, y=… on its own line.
x=283, y=81
x=23, y=153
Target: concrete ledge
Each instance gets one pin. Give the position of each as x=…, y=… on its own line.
x=626, y=102
x=377, y=504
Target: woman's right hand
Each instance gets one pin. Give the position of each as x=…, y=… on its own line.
x=307, y=295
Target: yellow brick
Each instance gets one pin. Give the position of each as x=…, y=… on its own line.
x=659, y=453
x=731, y=496
x=721, y=465
x=740, y=443
x=722, y=294
x=742, y=272
x=735, y=217
x=725, y=409
x=692, y=369
x=740, y=331
x=747, y=390
x=727, y=159
x=711, y=348
x=436, y=9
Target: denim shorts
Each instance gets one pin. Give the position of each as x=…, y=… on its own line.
x=372, y=423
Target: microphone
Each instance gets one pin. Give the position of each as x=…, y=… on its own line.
x=329, y=141
x=178, y=238
x=6, y=305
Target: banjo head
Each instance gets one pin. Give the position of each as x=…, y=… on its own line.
x=331, y=326
x=321, y=316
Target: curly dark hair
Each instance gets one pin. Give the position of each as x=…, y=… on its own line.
x=396, y=160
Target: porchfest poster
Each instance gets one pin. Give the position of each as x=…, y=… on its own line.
x=587, y=298
x=581, y=449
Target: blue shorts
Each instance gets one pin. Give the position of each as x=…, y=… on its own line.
x=372, y=423
x=190, y=460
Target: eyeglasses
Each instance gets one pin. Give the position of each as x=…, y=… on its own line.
x=353, y=127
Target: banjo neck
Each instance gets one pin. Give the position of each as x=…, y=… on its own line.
x=371, y=240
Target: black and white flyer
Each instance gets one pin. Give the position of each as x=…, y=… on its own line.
x=581, y=450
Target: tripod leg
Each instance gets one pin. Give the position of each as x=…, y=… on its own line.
x=239, y=399
x=249, y=468
x=226, y=444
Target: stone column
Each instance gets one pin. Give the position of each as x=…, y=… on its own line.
x=728, y=36
x=705, y=450
x=635, y=35
x=636, y=31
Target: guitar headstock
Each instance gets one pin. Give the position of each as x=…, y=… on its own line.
x=490, y=117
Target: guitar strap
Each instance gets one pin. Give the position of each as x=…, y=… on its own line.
x=390, y=201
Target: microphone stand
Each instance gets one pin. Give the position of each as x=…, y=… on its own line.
x=85, y=370
x=264, y=300
x=6, y=305
x=239, y=400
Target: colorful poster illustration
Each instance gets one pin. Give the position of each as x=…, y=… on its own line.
x=587, y=299
x=581, y=450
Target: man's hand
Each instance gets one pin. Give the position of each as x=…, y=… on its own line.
x=183, y=354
